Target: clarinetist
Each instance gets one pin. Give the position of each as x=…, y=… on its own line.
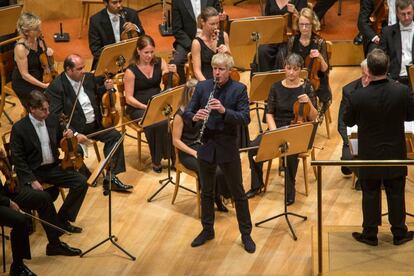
x=226, y=111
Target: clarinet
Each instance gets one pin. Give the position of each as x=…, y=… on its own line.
x=207, y=106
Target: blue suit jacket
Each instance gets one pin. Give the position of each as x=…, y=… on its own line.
x=220, y=135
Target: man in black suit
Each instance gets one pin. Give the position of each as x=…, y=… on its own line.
x=397, y=41
x=380, y=110
x=87, y=116
x=229, y=109
x=184, y=26
x=322, y=6
x=106, y=26
x=34, y=144
x=347, y=91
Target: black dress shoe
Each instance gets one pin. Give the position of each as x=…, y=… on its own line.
x=252, y=192
x=361, y=238
x=70, y=228
x=358, y=40
x=290, y=202
x=401, y=240
x=157, y=169
x=202, y=238
x=63, y=249
x=116, y=185
x=20, y=270
x=220, y=205
x=248, y=243
x=346, y=171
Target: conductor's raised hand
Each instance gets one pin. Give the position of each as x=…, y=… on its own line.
x=215, y=104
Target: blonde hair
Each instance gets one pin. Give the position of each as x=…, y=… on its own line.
x=309, y=14
x=27, y=22
x=190, y=86
x=223, y=58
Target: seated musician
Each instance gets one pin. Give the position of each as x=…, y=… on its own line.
x=397, y=41
x=28, y=71
x=34, y=150
x=142, y=80
x=282, y=96
x=209, y=42
x=86, y=116
x=108, y=25
x=24, y=196
x=184, y=26
x=268, y=53
x=184, y=139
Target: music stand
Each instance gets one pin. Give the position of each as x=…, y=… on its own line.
x=9, y=16
x=260, y=3
x=114, y=56
x=260, y=87
x=107, y=164
x=161, y=2
x=248, y=33
x=160, y=108
x=284, y=142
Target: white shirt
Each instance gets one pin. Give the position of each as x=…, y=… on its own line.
x=84, y=101
x=115, y=20
x=196, y=7
x=406, y=43
x=43, y=135
x=392, y=16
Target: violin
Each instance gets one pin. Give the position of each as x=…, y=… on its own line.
x=301, y=110
x=224, y=24
x=379, y=14
x=170, y=79
x=8, y=172
x=72, y=159
x=110, y=116
x=313, y=66
x=127, y=34
x=48, y=64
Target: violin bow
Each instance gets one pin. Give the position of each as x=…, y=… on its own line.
x=74, y=104
x=110, y=128
x=45, y=222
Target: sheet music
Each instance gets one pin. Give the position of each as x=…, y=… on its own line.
x=408, y=127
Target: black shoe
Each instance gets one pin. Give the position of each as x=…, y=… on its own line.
x=63, y=249
x=361, y=238
x=20, y=270
x=248, y=243
x=116, y=185
x=69, y=227
x=252, y=192
x=157, y=169
x=407, y=237
x=358, y=39
x=202, y=238
x=358, y=185
x=220, y=206
x=290, y=202
x=346, y=171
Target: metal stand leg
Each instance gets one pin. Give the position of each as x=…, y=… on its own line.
x=152, y=5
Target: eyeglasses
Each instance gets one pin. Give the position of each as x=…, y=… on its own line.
x=305, y=25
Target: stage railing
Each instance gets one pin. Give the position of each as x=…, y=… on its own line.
x=346, y=163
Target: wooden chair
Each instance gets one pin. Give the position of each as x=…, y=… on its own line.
x=6, y=68
x=136, y=127
x=353, y=147
x=304, y=156
x=179, y=169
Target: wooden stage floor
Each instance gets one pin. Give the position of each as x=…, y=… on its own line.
x=159, y=234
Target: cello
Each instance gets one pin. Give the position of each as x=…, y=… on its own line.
x=110, y=116
x=48, y=64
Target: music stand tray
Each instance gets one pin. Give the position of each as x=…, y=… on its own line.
x=281, y=143
x=106, y=164
x=248, y=33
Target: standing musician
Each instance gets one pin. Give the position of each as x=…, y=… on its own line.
x=347, y=91
x=28, y=71
x=86, y=117
x=308, y=44
x=184, y=26
x=142, y=80
x=397, y=41
x=222, y=104
x=268, y=53
x=209, y=42
x=380, y=110
x=280, y=113
x=107, y=26
x=34, y=151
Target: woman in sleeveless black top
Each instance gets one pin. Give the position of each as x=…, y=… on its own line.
x=209, y=42
x=184, y=137
x=142, y=81
x=28, y=72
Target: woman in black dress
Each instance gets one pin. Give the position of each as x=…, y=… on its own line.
x=184, y=139
x=142, y=81
x=268, y=53
x=209, y=42
x=28, y=72
x=282, y=96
